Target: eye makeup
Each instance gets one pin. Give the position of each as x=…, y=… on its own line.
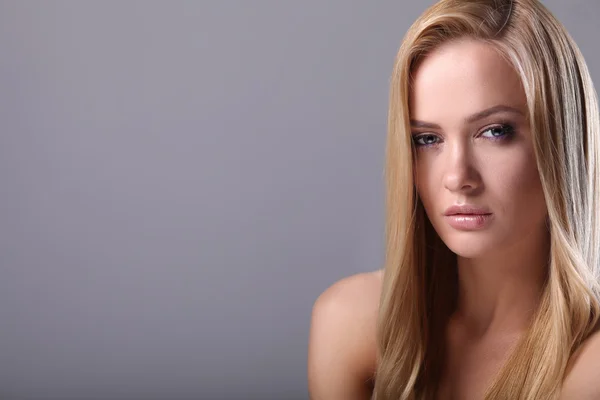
x=502, y=131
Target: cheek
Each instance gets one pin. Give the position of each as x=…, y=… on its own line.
x=518, y=184
x=420, y=178
x=427, y=183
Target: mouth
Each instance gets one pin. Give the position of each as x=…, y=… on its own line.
x=468, y=217
x=466, y=209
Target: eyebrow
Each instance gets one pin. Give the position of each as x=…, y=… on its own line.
x=473, y=118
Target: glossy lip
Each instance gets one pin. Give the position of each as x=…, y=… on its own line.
x=467, y=217
x=466, y=209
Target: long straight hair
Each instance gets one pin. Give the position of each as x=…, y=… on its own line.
x=420, y=282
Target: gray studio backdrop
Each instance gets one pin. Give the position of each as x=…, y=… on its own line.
x=179, y=181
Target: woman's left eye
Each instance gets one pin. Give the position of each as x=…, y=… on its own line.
x=498, y=131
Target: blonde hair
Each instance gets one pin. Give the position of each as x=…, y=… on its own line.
x=419, y=280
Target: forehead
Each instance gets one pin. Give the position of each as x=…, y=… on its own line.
x=460, y=78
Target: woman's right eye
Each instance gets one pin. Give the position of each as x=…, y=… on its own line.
x=425, y=139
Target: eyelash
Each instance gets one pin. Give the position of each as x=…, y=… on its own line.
x=507, y=128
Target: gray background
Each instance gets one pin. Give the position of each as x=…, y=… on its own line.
x=181, y=179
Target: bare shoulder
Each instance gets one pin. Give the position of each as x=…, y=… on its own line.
x=342, y=343
x=583, y=373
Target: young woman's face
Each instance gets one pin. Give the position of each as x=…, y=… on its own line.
x=474, y=150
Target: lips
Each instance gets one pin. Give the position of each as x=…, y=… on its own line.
x=466, y=209
x=468, y=217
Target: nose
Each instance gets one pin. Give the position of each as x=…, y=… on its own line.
x=461, y=174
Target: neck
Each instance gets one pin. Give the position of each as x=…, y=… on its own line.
x=500, y=292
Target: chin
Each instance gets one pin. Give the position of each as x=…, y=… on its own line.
x=468, y=244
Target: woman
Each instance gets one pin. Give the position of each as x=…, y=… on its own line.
x=490, y=287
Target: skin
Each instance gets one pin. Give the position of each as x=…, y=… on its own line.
x=466, y=157
x=473, y=146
